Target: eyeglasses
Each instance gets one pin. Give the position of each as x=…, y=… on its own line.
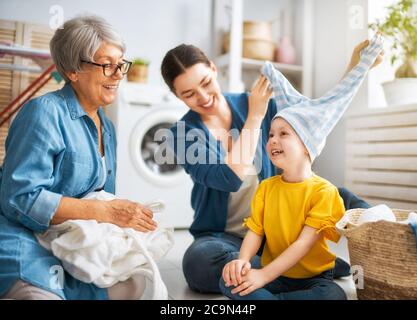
x=110, y=69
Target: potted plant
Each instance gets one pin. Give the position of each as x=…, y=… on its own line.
x=138, y=71
x=400, y=26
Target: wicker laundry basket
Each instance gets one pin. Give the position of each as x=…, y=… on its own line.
x=386, y=251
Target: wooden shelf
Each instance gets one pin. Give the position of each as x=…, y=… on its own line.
x=26, y=52
x=237, y=72
x=223, y=62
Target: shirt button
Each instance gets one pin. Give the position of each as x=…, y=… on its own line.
x=109, y=172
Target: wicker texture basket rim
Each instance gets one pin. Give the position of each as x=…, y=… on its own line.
x=387, y=253
x=259, y=39
x=351, y=217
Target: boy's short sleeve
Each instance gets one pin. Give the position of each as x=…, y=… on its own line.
x=255, y=221
x=327, y=209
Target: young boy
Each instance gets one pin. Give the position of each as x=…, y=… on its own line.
x=296, y=211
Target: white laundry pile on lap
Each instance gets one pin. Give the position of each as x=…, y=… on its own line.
x=105, y=254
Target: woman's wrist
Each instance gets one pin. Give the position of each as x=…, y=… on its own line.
x=81, y=209
x=255, y=116
x=102, y=211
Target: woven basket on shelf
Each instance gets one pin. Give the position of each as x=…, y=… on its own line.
x=257, y=41
x=258, y=49
x=386, y=251
x=261, y=30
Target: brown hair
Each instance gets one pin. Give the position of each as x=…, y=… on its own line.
x=178, y=59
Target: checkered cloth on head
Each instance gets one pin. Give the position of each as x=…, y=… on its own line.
x=314, y=119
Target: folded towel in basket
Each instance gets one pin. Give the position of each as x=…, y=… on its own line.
x=376, y=213
x=414, y=226
x=412, y=220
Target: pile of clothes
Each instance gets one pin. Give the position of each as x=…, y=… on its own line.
x=105, y=254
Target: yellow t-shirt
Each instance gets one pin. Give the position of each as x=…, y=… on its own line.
x=280, y=210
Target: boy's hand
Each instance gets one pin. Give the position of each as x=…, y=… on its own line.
x=254, y=279
x=234, y=270
x=356, y=55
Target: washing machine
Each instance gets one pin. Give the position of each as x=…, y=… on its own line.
x=140, y=113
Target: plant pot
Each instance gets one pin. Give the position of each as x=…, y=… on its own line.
x=138, y=73
x=408, y=69
x=400, y=91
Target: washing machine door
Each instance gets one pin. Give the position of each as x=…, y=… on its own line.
x=145, y=148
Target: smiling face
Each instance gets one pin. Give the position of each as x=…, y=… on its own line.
x=92, y=87
x=199, y=89
x=285, y=148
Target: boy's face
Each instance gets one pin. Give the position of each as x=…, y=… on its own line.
x=284, y=147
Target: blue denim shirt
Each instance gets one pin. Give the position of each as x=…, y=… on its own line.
x=51, y=152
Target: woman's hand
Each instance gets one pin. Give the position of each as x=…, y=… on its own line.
x=129, y=214
x=354, y=60
x=234, y=270
x=254, y=279
x=259, y=97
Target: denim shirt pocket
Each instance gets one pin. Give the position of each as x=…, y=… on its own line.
x=77, y=173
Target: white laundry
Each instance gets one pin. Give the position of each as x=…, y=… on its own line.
x=383, y=212
x=376, y=213
x=411, y=219
x=105, y=254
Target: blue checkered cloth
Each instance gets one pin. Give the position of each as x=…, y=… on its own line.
x=414, y=227
x=314, y=119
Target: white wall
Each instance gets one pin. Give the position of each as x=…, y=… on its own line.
x=150, y=28
x=385, y=72
x=337, y=31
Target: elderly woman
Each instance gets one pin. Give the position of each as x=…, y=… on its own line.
x=59, y=148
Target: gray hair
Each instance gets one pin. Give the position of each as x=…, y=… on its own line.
x=79, y=39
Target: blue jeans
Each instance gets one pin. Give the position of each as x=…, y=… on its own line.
x=321, y=287
x=351, y=201
x=204, y=260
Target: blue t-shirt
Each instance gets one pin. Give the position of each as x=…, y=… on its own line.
x=213, y=179
x=51, y=152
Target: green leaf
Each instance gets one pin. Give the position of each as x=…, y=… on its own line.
x=400, y=25
x=140, y=61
